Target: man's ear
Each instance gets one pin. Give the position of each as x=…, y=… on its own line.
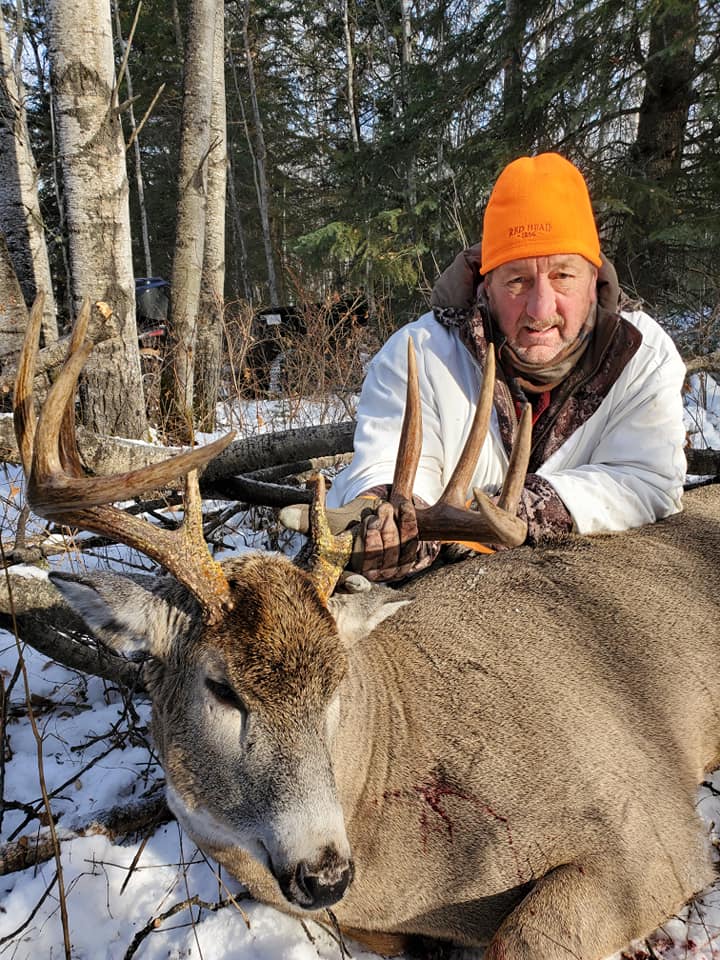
x=121, y=613
x=362, y=606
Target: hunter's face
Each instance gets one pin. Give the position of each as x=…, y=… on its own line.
x=541, y=303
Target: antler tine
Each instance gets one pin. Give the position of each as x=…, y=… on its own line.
x=23, y=412
x=517, y=468
x=68, y=450
x=51, y=487
x=410, y=445
x=329, y=553
x=490, y=523
x=58, y=490
x=455, y=492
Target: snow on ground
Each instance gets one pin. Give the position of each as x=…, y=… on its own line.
x=130, y=898
x=702, y=412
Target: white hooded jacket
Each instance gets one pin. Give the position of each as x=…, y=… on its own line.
x=623, y=467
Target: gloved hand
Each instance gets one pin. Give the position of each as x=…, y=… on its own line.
x=386, y=536
x=386, y=547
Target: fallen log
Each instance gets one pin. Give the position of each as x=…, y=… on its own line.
x=119, y=822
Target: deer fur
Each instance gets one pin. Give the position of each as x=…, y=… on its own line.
x=503, y=751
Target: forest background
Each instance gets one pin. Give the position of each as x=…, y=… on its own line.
x=353, y=147
x=257, y=155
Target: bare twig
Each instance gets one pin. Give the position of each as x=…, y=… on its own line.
x=709, y=363
x=126, y=54
x=138, y=128
x=41, y=776
x=135, y=861
x=234, y=898
x=155, y=922
x=344, y=952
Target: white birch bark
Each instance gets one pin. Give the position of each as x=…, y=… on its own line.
x=210, y=330
x=350, y=77
x=178, y=375
x=140, y=183
x=92, y=158
x=405, y=62
x=20, y=217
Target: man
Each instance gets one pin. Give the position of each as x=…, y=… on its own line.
x=604, y=386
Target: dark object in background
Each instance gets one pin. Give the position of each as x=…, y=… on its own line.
x=274, y=329
x=151, y=310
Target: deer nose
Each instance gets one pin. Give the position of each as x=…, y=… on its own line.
x=323, y=887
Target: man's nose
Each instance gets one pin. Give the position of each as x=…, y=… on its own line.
x=541, y=300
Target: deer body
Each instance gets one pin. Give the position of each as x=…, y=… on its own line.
x=514, y=753
x=504, y=750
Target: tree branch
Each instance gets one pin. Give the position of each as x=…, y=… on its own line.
x=109, y=455
x=121, y=821
x=48, y=625
x=710, y=363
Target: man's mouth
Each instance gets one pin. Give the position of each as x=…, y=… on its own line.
x=542, y=329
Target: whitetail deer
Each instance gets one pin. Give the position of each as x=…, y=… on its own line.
x=506, y=750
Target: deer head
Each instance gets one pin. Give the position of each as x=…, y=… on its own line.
x=247, y=658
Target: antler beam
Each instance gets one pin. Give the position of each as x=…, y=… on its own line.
x=58, y=489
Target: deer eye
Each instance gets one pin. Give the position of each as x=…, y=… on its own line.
x=225, y=695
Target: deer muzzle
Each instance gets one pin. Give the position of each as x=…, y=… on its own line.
x=314, y=886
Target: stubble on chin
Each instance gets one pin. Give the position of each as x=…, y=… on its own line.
x=540, y=353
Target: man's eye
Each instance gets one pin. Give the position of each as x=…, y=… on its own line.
x=225, y=694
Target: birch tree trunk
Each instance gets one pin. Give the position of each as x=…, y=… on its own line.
x=350, y=77
x=260, y=157
x=210, y=330
x=239, y=235
x=20, y=215
x=13, y=316
x=178, y=374
x=145, y=233
x=92, y=157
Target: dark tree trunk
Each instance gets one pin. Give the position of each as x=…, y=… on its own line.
x=657, y=154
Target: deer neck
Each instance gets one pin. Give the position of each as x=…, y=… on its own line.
x=373, y=726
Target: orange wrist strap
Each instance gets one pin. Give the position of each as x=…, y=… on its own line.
x=472, y=545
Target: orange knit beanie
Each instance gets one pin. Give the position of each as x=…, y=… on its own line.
x=539, y=206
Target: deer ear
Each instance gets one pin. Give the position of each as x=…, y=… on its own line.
x=361, y=606
x=121, y=612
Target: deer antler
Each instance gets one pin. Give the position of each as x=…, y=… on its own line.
x=329, y=553
x=449, y=519
x=58, y=488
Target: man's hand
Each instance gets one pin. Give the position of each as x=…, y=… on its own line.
x=386, y=536
x=386, y=546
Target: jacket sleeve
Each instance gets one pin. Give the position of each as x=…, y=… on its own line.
x=635, y=471
x=543, y=510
